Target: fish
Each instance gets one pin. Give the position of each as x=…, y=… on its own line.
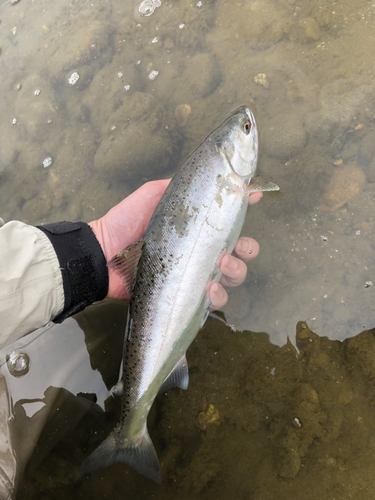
x=197, y=221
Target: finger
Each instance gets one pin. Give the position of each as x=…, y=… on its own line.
x=218, y=296
x=255, y=197
x=234, y=271
x=246, y=248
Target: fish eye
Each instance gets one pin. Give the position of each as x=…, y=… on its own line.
x=246, y=127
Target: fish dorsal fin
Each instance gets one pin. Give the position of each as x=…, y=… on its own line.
x=125, y=263
x=179, y=376
x=259, y=184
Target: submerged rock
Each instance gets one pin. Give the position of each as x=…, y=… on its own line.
x=136, y=141
x=346, y=183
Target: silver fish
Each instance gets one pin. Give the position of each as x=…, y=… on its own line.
x=197, y=221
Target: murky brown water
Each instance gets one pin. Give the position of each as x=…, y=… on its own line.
x=91, y=108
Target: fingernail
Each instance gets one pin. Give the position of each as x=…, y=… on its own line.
x=231, y=263
x=245, y=246
x=216, y=289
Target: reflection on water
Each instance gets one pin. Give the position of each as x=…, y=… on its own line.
x=49, y=382
x=97, y=98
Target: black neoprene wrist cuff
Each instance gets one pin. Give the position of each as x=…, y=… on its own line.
x=82, y=263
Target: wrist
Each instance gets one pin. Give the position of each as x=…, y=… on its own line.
x=82, y=263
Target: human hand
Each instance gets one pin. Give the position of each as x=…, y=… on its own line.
x=126, y=223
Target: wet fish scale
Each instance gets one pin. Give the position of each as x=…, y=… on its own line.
x=198, y=219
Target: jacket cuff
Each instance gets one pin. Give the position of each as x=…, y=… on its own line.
x=82, y=264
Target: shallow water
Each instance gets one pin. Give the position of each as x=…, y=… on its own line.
x=96, y=99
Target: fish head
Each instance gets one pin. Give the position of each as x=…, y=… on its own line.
x=237, y=141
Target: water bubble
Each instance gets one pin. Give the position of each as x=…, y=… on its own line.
x=296, y=422
x=113, y=127
x=36, y=92
x=199, y=4
x=147, y=7
x=126, y=87
x=18, y=86
x=47, y=162
x=153, y=74
x=181, y=26
x=155, y=40
x=18, y=363
x=14, y=121
x=73, y=79
x=120, y=74
x=49, y=120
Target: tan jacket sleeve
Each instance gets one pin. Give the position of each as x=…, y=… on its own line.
x=31, y=287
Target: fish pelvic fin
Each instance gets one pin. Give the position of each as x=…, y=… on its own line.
x=179, y=376
x=138, y=454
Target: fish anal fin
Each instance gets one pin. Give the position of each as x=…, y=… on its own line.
x=259, y=184
x=138, y=454
x=125, y=263
x=179, y=376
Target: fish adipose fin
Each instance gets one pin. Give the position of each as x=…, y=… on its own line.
x=140, y=455
x=179, y=376
x=125, y=263
x=259, y=184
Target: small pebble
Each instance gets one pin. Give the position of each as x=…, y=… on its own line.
x=261, y=79
x=59, y=193
x=311, y=27
x=182, y=113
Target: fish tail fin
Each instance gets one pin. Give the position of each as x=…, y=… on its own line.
x=139, y=454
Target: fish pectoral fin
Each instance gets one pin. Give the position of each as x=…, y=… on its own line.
x=139, y=454
x=179, y=376
x=259, y=184
x=125, y=263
